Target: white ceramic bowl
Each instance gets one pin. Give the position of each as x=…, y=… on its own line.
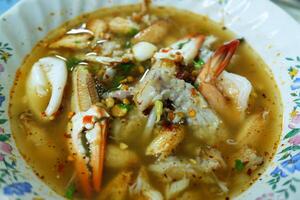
x=270, y=31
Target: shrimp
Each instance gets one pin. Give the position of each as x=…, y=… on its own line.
x=219, y=86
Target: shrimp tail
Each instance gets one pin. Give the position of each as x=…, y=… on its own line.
x=218, y=62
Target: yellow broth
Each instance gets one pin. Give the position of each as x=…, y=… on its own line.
x=43, y=144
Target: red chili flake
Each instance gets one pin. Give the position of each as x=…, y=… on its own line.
x=60, y=167
x=66, y=135
x=194, y=91
x=165, y=50
x=249, y=172
x=88, y=119
x=171, y=116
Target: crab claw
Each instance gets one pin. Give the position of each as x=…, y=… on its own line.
x=92, y=125
x=218, y=62
x=48, y=74
x=97, y=140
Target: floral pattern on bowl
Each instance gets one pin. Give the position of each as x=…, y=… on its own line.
x=282, y=178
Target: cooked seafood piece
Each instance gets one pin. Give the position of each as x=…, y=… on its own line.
x=118, y=158
x=84, y=89
x=173, y=168
x=101, y=59
x=98, y=27
x=48, y=75
x=91, y=125
x=235, y=87
x=251, y=130
x=117, y=188
x=215, y=84
x=189, y=47
x=122, y=25
x=249, y=159
x=154, y=33
x=72, y=41
x=143, y=51
x=175, y=188
x=166, y=141
x=142, y=188
x=160, y=83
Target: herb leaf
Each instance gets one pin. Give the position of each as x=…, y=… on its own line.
x=126, y=67
x=70, y=191
x=199, y=64
x=116, y=82
x=128, y=44
x=125, y=106
x=239, y=165
x=72, y=62
x=133, y=32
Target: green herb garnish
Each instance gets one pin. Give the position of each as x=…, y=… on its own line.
x=133, y=32
x=199, y=64
x=239, y=165
x=128, y=44
x=116, y=82
x=125, y=106
x=70, y=191
x=72, y=62
x=126, y=67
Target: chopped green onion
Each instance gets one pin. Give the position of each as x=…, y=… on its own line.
x=158, y=105
x=126, y=67
x=133, y=32
x=70, y=191
x=239, y=165
x=199, y=64
x=125, y=106
x=116, y=82
x=72, y=62
x=128, y=44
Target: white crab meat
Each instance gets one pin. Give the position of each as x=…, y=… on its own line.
x=143, y=51
x=98, y=27
x=142, y=188
x=166, y=141
x=72, y=41
x=169, y=54
x=173, y=168
x=175, y=188
x=160, y=83
x=118, y=158
x=48, y=74
x=153, y=33
x=236, y=87
x=117, y=188
x=189, y=47
x=121, y=25
x=101, y=59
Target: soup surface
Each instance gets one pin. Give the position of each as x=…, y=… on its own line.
x=151, y=103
